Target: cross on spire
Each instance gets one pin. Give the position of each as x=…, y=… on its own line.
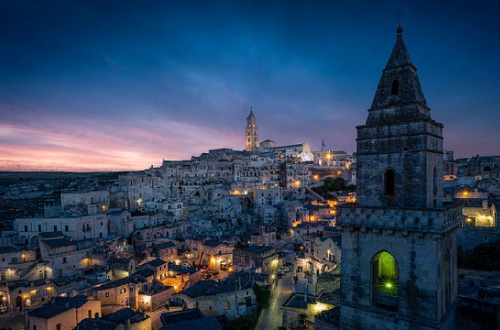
x=398, y=16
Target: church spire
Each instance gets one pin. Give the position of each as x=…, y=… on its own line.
x=251, y=115
x=399, y=85
x=399, y=56
x=251, y=133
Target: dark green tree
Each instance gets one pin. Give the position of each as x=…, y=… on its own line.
x=247, y=322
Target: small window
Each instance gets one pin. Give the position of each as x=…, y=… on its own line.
x=90, y=313
x=58, y=326
x=227, y=305
x=389, y=182
x=395, y=87
x=107, y=294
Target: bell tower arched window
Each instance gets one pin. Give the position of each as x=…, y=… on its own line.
x=389, y=182
x=384, y=280
x=395, y=87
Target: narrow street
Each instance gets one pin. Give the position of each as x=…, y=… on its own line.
x=270, y=318
x=12, y=320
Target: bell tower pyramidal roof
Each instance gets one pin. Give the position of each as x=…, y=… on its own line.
x=399, y=87
x=400, y=148
x=399, y=56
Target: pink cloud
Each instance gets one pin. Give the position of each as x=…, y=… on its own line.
x=72, y=144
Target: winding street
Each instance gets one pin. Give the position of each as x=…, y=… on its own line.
x=270, y=318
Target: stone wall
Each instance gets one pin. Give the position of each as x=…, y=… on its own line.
x=418, y=240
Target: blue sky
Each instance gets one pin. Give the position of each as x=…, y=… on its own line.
x=107, y=85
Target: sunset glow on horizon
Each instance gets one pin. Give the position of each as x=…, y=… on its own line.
x=100, y=146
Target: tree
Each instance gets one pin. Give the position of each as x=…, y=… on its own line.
x=247, y=322
x=482, y=257
x=262, y=297
x=333, y=185
x=302, y=317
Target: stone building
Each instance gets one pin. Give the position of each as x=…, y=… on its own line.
x=63, y=313
x=232, y=297
x=90, y=202
x=252, y=256
x=63, y=256
x=77, y=227
x=251, y=134
x=19, y=294
x=485, y=166
x=124, y=319
x=15, y=262
x=399, y=258
x=480, y=213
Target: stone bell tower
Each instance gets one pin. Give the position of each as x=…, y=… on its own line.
x=399, y=241
x=251, y=134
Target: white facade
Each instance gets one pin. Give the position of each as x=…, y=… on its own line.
x=78, y=228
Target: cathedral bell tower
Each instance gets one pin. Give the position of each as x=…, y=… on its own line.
x=399, y=241
x=251, y=134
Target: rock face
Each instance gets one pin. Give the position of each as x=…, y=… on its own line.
x=399, y=241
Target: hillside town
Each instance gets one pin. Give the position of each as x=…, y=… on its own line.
x=263, y=237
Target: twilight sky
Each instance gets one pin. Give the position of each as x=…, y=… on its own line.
x=120, y=85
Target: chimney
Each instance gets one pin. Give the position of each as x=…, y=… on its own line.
x=485, y=204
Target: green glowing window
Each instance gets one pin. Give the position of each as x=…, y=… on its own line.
x=385, y=279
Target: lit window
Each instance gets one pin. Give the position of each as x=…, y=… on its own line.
x=385, y=280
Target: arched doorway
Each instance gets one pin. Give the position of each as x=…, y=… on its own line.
x=19, y=301
x=384, y=280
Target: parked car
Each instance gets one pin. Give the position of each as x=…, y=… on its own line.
x=280, y=273
x=285, y=269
